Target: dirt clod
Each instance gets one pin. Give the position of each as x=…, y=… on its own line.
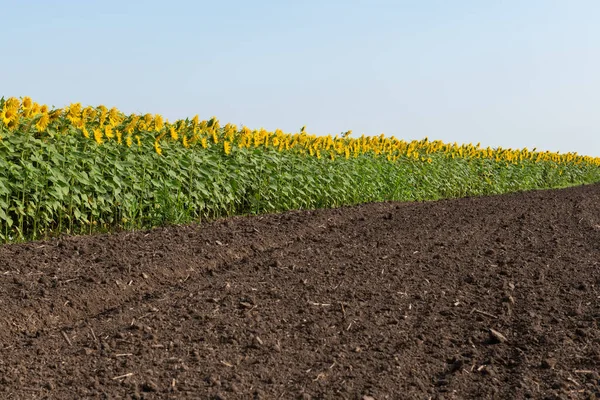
x=149, y=387
x=549, y=363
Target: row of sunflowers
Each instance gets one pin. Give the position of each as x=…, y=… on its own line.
x=85, y=169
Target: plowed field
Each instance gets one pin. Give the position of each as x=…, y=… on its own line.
x=491, y=297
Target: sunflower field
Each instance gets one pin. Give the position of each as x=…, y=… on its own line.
x=89, y=169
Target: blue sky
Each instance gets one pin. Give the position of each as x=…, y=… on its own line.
x=509, y=73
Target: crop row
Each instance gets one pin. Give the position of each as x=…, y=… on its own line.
x=77, y=170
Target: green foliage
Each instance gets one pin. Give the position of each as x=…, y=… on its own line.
x=67, y=184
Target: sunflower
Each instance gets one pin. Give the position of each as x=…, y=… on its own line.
x=195, y=123
x=113, y=116
x=98, y=136
x=108, y=131
x=27, y=103
x=42, y=124
x=173, y=133
x=158, y=123
x=4, y=116
x=54, y=115
x=35, y=109
x=10, y=117
x=12, y=102
x=157, y=148
x=14, y=123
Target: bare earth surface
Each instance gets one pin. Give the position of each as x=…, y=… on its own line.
x=495, y=297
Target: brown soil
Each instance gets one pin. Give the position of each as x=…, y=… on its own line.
x=495, y=297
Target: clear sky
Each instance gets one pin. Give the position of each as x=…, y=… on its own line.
x=510, y=73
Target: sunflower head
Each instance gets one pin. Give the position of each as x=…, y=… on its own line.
x=157, y=148
x=4, y=116
x=173, y=133
x=42, y=124
x=98, y=136
x=158, y=122
x=12, y=102
x=56, y=114
x=35, y=109
x=113, y=116
x=11, y=117
x=27, y=103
